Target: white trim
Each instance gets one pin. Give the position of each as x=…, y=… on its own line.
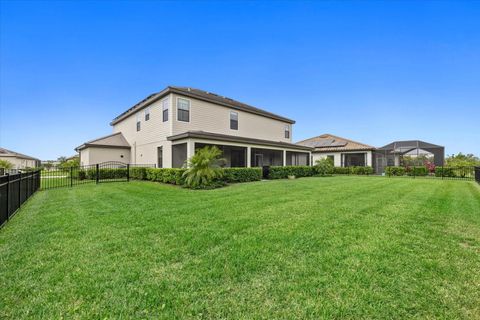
x=189, y=109
x=230, y=119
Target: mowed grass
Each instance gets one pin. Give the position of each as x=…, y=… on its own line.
x=337, y=247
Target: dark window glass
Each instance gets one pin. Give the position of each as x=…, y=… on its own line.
x=138, y=125
x=287, y=132
x=165, y=110
x=165, y=115
x=183, y=110
x=147, y=113
x=160, y=157
x=233, y=120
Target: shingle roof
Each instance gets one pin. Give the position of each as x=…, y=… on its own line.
x=115, y=140
x=329, y=142
x=9, y=153
x=225, y=137
x=201, y=95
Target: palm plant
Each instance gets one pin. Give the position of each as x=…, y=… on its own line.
x=6, y=164
x=204, y=167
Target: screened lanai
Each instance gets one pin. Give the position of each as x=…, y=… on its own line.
x=408, y=153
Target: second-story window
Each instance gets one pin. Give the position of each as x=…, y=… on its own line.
x=165, y=110
x=183, y=110
x=287, y=132
x=138, y=122
x=147, y=113
x=233, y=120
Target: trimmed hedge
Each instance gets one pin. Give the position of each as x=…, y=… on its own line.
x=342, y=170
x=104, y=173
x=297, y=171
x=353, y=170
x=417, y=171
x=234, y=175
x=165, y=175
x=138, y=173
x=395, y=171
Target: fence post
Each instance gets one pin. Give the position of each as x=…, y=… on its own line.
x=71, y=177
x=96, y=167
x=128, y=172
x=20, y=190
x=8, y=195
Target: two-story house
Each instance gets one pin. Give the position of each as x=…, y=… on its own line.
x=167, y=127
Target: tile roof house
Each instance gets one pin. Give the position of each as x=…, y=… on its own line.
x=18, y=160
x=166, y=128
x=344, y=152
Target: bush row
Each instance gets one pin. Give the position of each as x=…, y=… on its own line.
x=353, y=170
x=297, y=171
x=448, y=172
x=175, y=175
x=105, y=173
x=306, y=171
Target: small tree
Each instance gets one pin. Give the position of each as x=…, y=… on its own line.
x=324, y=166
x=204, y=167
x=6, y=164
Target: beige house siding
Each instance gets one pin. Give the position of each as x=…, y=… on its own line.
x=153, y=133
x=94, y=155
x=20, y=163
x=209, y=117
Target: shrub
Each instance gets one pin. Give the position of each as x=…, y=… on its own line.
x=5, y=164
x=324, y=166
x=165, y=175
x=394, y=171
x=448, y=172
x=297, y=171
x=203, y=168
x=416, y=171
x=342, y=170
x=138, y=173
x=105, y=173
x=361, y=170
x=233, y=175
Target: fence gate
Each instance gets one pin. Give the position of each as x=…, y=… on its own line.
x=112, y=171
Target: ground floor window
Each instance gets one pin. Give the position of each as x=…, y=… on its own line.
x=234, y=156
x=297, y=158
x=179, y=155
x=160, y=157
x=266, y=157
x=354, y=160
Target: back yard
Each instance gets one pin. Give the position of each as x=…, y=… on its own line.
x=336, y=247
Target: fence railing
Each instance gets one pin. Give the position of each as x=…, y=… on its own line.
x=98, y=173
x=439, y=172
x=15, y=189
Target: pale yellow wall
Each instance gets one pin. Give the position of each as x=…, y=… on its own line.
x=153, y=133
x=94, y=155
x=209, y=117
x=19, y=163
x=204, y=116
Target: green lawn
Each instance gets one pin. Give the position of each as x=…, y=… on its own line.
x=338, y=247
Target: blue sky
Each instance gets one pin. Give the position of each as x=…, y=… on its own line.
x=370, y=71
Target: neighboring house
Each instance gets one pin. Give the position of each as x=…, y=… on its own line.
x=167, y=127
x=343, y=152
x=18, y=160
x=392, y=153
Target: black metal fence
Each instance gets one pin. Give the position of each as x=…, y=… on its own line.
x=438, y=172
x=15, y=189
x=477, y=174
x=73, y=176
